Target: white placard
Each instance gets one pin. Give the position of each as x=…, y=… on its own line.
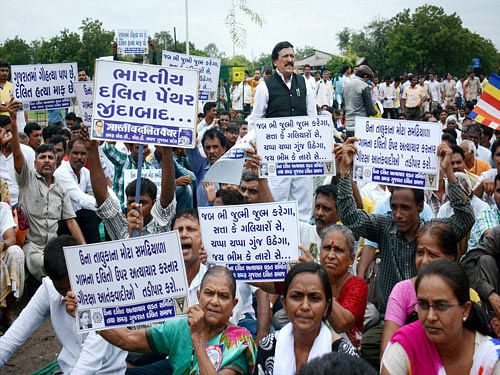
x=44, y=86
x=85, y=98
x=131, y=41
x=397, y=152
x=229, y=167
x=142, y=103
x=154, y=175
x=128, y=282
x=295, y=146
x=255, y=241
x=209, y=68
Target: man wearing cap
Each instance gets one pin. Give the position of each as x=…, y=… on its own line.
x=358, y=98
x=286, y=94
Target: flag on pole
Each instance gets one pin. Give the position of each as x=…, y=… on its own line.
x=487, y=110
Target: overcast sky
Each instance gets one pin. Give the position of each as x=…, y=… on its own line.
x=312, y=22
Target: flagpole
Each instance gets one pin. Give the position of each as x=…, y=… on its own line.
x=187, y=29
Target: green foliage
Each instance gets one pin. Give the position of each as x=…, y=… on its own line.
x=337, y=62
x=16, y=51
x=429, y=40
x=302, y=53
x=97, y=42
x=235, y=27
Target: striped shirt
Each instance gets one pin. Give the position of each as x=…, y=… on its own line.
x=397, y=254
x=487, y=219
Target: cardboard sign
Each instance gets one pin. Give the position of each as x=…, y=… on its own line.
x=132, y=42
x=145, y=104
x=44, y=86
x=85, y=98
x=128, y=282
x=255, y=241
x=397, y=152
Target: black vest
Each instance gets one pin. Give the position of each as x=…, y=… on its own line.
x=284, y=102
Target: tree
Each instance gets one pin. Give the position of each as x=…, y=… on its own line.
x=16, y=51
x=212, y=51
x=97, y=42
x=429, y=40
x=337, y=62
x=302, y=53
x=236, y=31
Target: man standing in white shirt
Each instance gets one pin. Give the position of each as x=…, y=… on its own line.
x=387, y=95
x=436, y=90
x=286, y=94
x=449, y=91
x=459, y=94
x=76, y=179
x=308, y=77
x=324, y=90
x=472, y=87
x=86, y=353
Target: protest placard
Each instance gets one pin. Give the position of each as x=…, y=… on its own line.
x=44, y=86
x=228, y=168
x=209, y=68
x=154, y=175
x=132, y=41
x=128, y=282
x=397, y=152
x=142, y=103
x=295, y=146
x=255, y=241
x=85, y=98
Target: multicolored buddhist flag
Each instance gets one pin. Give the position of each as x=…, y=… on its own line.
x=487, y=110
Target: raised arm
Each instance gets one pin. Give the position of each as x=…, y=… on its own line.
x=97, y=177
x=12, y=107
x=463, y=218
x=167, y=176
x=265, y=194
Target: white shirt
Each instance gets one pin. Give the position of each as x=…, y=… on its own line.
x=308, y=235
x=435, y=90
x=460, y=89
x=488, y=175
x=85, y=353
x=387, y=92
x=345, y=80
x=311, y=80
x=6, y=219
x=81, y=193
x=375, y=192
x=261, y=100
x=324, y=93
x=477, y=205
x=482, y=153
x=8, y=172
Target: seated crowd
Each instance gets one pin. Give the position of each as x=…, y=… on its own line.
x=390, y=280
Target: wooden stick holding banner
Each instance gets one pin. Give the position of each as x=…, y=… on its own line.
x=138, y=182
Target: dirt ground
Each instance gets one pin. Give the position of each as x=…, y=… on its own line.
x=39, y=350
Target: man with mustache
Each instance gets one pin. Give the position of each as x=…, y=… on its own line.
x=43, y=199
x=76, y=178
x=214, y=144
x=286, y=94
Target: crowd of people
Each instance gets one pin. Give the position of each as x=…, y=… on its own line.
x=390, y=280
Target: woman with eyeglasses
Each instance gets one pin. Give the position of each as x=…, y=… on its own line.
x=449, y=336
x=435, y=241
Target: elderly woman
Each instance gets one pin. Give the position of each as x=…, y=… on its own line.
x=205, y=342
x=448, y=337
x=307, y=299
x=349, y=291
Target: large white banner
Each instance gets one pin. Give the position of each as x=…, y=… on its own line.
x=209, y=68
x=295, y=146
x=44, y=86
x=128, y=282
x=131, y=41
x=142, y=103
x=397, y=152
x=85, y=98
x=255, y=241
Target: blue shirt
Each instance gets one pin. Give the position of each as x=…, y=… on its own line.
x=54, y=116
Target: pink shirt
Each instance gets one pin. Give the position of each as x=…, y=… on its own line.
x=401, y=302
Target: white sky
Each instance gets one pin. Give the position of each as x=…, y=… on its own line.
x=313, y=22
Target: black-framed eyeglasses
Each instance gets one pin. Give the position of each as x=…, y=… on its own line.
x=424, y=306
